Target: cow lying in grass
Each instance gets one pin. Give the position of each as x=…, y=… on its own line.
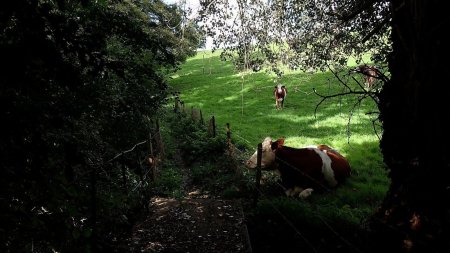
x=302, y=170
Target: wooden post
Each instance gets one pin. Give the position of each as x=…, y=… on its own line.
x=142, y=183
x=152, y=157
x=214, y=126
x=210, y=65
x=258, y=173
x=177, y=105
x=201, y=118
x=141, y=169
x=229, y=139
x=159, y=140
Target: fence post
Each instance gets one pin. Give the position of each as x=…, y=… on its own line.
x=159, y=140
x=201, y=118
x=141, y=169
x=177, y=105
x=213, y=121
x=151, y=159
x=210, y=65
x=229, y=139
x=144, y=193
x=258, y=173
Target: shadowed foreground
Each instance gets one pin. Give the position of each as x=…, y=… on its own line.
x=192, y=225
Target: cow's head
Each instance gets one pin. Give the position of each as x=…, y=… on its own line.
x=268, y=155
x=279, y=89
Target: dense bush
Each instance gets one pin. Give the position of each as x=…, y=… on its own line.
x=78, y=83
x=169, y=182
x=193, y=140
x=201, y=159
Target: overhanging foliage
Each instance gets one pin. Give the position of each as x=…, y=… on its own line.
x=307, y=35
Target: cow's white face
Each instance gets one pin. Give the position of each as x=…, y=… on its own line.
x=279, y=90
x=267, y=158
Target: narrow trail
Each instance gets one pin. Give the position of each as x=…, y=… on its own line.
x=197, y=222
x=189, y=190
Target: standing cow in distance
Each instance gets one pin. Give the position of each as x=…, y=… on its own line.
x=280, y=94
x=370, y=74
x=303, y=170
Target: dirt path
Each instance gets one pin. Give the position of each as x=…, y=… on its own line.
x=199, y=222
x=192, y=225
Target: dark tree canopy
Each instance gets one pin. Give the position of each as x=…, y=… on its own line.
x=79, y=81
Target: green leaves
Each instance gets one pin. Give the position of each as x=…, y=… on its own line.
x=77, y=81
x=310, y=34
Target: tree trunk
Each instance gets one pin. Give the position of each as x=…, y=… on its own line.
x=414, y=106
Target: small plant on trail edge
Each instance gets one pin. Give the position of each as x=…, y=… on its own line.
x=193, y=140
x=169, y=183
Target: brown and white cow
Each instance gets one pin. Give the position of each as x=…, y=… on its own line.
x=369, y=73
x=280, y=94
x=303, y=170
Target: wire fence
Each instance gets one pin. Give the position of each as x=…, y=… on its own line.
x=236, y=154
x=259, y=195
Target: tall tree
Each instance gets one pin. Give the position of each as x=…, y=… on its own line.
x=415, y=139
x=415, y=215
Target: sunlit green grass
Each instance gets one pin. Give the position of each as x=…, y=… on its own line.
x=246, y=101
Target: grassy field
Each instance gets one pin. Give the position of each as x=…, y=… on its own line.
x=245, y=100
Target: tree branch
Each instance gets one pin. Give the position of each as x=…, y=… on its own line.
x=357, y=10
x=360, y=99
x=377, y=28
x=126, y=151
x=363, y=94
x=339, y=78
x=325, y=97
